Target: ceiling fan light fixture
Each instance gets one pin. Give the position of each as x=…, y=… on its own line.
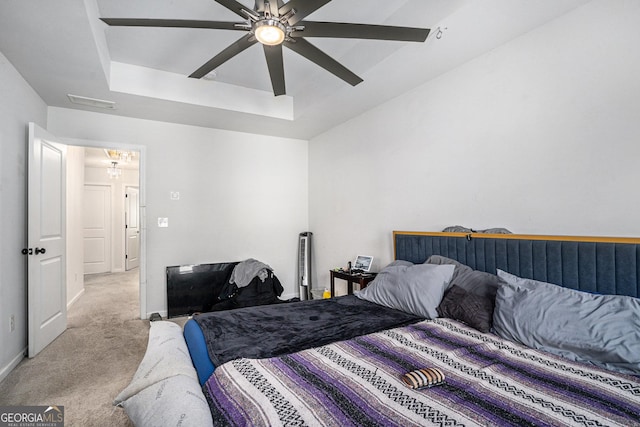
x=269, y=32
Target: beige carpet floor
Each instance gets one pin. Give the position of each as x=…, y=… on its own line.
x=86, y=367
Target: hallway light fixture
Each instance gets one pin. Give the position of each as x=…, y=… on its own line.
x=113, y=171
x=119, y=155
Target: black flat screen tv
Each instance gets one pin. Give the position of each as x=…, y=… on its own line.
x=195, y=288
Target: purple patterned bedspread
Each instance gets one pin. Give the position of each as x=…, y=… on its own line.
x=489, y=382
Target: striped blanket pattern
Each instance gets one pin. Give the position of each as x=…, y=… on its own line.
x=358, y=382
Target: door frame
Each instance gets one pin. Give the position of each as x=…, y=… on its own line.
x=127, y=221
x=142, y=186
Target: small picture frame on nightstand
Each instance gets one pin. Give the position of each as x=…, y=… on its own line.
x=362, y=263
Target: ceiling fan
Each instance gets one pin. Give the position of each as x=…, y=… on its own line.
x=274, y=24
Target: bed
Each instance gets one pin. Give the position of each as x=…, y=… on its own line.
x=497, y=358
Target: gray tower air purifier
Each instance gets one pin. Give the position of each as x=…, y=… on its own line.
x=304, y=264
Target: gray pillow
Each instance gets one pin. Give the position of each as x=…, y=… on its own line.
x=476, y=282
x=600, y=329
x=415, y=289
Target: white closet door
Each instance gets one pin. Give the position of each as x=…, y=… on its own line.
x=97, y=229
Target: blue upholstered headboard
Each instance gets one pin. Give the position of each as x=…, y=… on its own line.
x=593, y=264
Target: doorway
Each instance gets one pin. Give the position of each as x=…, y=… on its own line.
x=111, y=210
x=106, y=199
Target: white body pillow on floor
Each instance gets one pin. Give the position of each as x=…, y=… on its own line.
x=165, y=388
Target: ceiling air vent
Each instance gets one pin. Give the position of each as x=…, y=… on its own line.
x=92, y=102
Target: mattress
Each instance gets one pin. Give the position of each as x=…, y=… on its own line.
x=271, y=330
x=488, y=381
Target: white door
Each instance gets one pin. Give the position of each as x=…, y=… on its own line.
x=132, y=228
x=47, y=275
x=97, y=229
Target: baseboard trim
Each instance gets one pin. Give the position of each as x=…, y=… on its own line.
x=6, y=370
x=286, y=297
x=75, y=299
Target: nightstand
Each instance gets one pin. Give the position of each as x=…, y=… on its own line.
x=362, y=279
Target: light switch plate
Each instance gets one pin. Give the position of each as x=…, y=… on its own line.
x=175, y=195
x=163, y=222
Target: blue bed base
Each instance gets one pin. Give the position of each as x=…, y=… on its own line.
x=198, y=349
x=592, y=264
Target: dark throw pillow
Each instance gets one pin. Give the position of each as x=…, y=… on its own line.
x=474, y=310
x=474, y=281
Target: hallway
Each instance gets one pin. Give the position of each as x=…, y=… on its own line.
x=92, y=361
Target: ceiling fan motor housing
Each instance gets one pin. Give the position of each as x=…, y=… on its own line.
x=269, y=31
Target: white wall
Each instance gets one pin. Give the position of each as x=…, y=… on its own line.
x=19, y=104
x=241, y=195
x=539, y=136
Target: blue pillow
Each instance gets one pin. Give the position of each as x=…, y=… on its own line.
x=600, y=329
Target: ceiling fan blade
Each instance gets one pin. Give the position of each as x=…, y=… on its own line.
x=170, y=23
x=235, y=7
x=303, y=9
x=231, y=51
x=312, y=53
x=361, y=31
x=276, y=68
